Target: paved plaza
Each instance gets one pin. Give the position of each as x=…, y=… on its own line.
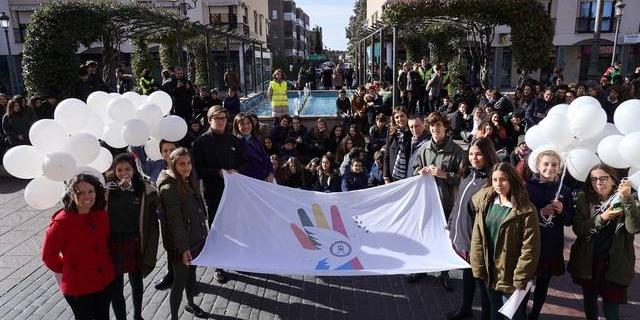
x=29, y=291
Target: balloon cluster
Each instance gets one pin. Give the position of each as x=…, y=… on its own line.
x=579, y=132
x=69, y=144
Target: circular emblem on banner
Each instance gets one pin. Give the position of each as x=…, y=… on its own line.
x=340, y=249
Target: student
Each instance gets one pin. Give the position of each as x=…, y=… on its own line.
x=506, y=239
x=356, y=178
x=76, y=246
x=475, y=169
x=133, y=242
x=327, y=179
x=602, y=257
x=555, y=213
x=186, y=221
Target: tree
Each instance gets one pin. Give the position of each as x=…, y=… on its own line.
x=357, y=27
x=140, y=58
x=531, y=27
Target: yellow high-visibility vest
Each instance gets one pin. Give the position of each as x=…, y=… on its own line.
x=279, y=95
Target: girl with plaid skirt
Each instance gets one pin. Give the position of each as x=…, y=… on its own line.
x=133, y=243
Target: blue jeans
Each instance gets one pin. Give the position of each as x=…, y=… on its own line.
x=498, y=298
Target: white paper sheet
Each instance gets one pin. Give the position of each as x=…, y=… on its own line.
x=509, y=308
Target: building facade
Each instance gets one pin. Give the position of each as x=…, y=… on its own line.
x=573, y=31
x=289, y=31
x=249, y=19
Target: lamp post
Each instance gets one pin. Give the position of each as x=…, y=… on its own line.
x=619, y=11
x=593, y=71
x=4, y=23
x=183, y=7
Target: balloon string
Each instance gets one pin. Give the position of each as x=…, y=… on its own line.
x=564, y=172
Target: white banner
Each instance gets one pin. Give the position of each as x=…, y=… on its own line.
x=392, y=229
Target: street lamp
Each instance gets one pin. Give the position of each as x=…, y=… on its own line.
x=4, y=23
x=183, y=6
x=619, y=11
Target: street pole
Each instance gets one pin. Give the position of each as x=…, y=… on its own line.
x=261, y=67
x=618, y=13
x=593, y=72
x=394, y=57
x=12, y=68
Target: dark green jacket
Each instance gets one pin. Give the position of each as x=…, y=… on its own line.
x=622, y=256
x=517, y=249
x=184, y=217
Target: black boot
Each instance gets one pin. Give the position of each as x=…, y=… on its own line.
x=164, y=283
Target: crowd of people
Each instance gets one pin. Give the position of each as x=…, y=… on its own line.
x=506, y=221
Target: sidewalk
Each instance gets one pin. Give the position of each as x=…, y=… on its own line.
x=28, y=290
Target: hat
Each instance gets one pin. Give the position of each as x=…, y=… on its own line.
x=521, y=139
x=91, y=62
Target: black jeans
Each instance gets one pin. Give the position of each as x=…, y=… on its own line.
x=117, y=296
x=469, y=284
x=184, y=279
x=93, y=306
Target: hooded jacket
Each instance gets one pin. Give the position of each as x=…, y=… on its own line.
x=515, y=258
x=185, y=219
x=463, y=214
x=85, y=262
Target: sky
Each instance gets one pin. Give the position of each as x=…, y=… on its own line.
x=332, y=16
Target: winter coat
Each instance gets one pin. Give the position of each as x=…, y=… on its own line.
x=354, y=181
x=515, y=259
x=622, y=256
x=552, y=236
x=184, y=216
x=82, y=239
x=148, y=226
x=258, y=164
x=463, y=214
x=18, y=124
x=448, y=158
x=333, y=182
x=537, y=111
x=392, y=148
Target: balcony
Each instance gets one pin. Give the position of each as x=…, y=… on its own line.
x=586, y=24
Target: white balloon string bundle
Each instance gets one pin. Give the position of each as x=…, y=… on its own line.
x=547, y=221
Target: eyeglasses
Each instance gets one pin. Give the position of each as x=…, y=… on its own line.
x=601, y=179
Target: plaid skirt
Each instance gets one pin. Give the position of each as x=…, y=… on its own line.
x=126, y=255
x=609, y=291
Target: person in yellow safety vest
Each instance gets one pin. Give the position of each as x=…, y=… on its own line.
x=425, y=69
x=277, y=93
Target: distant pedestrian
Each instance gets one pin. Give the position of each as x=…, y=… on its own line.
x=277, y=94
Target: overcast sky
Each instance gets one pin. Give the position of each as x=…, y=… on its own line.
x=332, y=16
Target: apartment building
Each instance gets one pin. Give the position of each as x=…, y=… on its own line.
x=574, y=22
x=247, y=18
x=289, y=32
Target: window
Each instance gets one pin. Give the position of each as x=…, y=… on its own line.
x=255, y=21
x=587, y=16
x=274, y=15
x=20, y=27
x=260, y=23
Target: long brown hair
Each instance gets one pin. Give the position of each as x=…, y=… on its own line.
x=517, y=193
x=590, y=193
x=393, y=127
x=188, y=185
x=488, y=153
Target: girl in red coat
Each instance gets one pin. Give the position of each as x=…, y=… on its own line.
x=75, y=245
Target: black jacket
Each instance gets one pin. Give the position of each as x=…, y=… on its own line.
x=463, y=213
x=213, y=152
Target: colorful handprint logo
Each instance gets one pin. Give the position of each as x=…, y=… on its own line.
x=333, y=244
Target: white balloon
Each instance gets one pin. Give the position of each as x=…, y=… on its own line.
x=42, y=193
x=95, y=127
x=626, y=116
x=555, y=128
x=592, y=143
x=113, y=135
x=103, y=161
x=91, y=171
x=635, y=180
x=610, y=154
x=135, y=132
x=134, y=97
x=152, y=149
x=535, y=137
x=579, y=103
x=83, y=147
x=150, y=113
x=172, y=128
x=72, y=114
x=629, y=148
x=632, y=171
x=531, y=161
x=588, y=122
x=580, y=162
x=114, y=95
x=24, y=162
x=120, y=109
x=558, y=109
x=59, y=166
x=97, y=103
x=47, y=135
x=162, y=100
